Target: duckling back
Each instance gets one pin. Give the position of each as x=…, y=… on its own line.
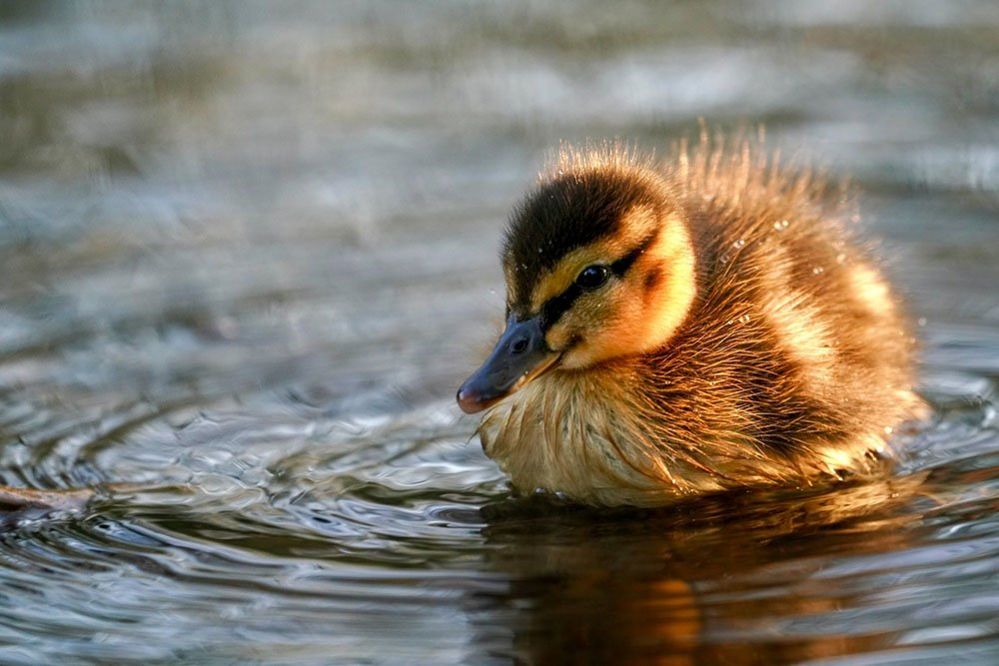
x=797, y=348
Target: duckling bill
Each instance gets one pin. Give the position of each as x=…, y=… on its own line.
x=684, y=327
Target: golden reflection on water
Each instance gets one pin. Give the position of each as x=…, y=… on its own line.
x=676, y=586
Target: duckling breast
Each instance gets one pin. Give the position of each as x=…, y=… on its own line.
x=580, y=434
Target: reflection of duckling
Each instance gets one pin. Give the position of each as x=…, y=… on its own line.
x=681, y=329
x=706, y=581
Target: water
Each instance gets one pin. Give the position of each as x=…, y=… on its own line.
x=249, y=251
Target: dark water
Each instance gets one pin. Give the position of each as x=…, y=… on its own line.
x=248, y=251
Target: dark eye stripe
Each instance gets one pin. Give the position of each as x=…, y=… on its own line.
x=621, y=266
x=557, y=306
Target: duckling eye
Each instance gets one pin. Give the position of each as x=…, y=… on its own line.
x=592, y=277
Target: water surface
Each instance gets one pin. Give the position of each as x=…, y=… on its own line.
x=249, y=251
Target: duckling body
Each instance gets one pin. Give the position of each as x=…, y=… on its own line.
x=688, y=327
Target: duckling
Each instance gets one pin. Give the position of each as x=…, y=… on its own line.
x=686, y=326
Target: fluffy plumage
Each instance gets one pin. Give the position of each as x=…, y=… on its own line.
x=749, y=341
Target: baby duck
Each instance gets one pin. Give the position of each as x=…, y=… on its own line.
x=686, y=327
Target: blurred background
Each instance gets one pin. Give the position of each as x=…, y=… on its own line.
x=249, y=249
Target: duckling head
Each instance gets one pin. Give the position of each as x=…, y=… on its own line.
x=599, y=265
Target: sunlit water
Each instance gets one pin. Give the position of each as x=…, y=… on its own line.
x=249, y=250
